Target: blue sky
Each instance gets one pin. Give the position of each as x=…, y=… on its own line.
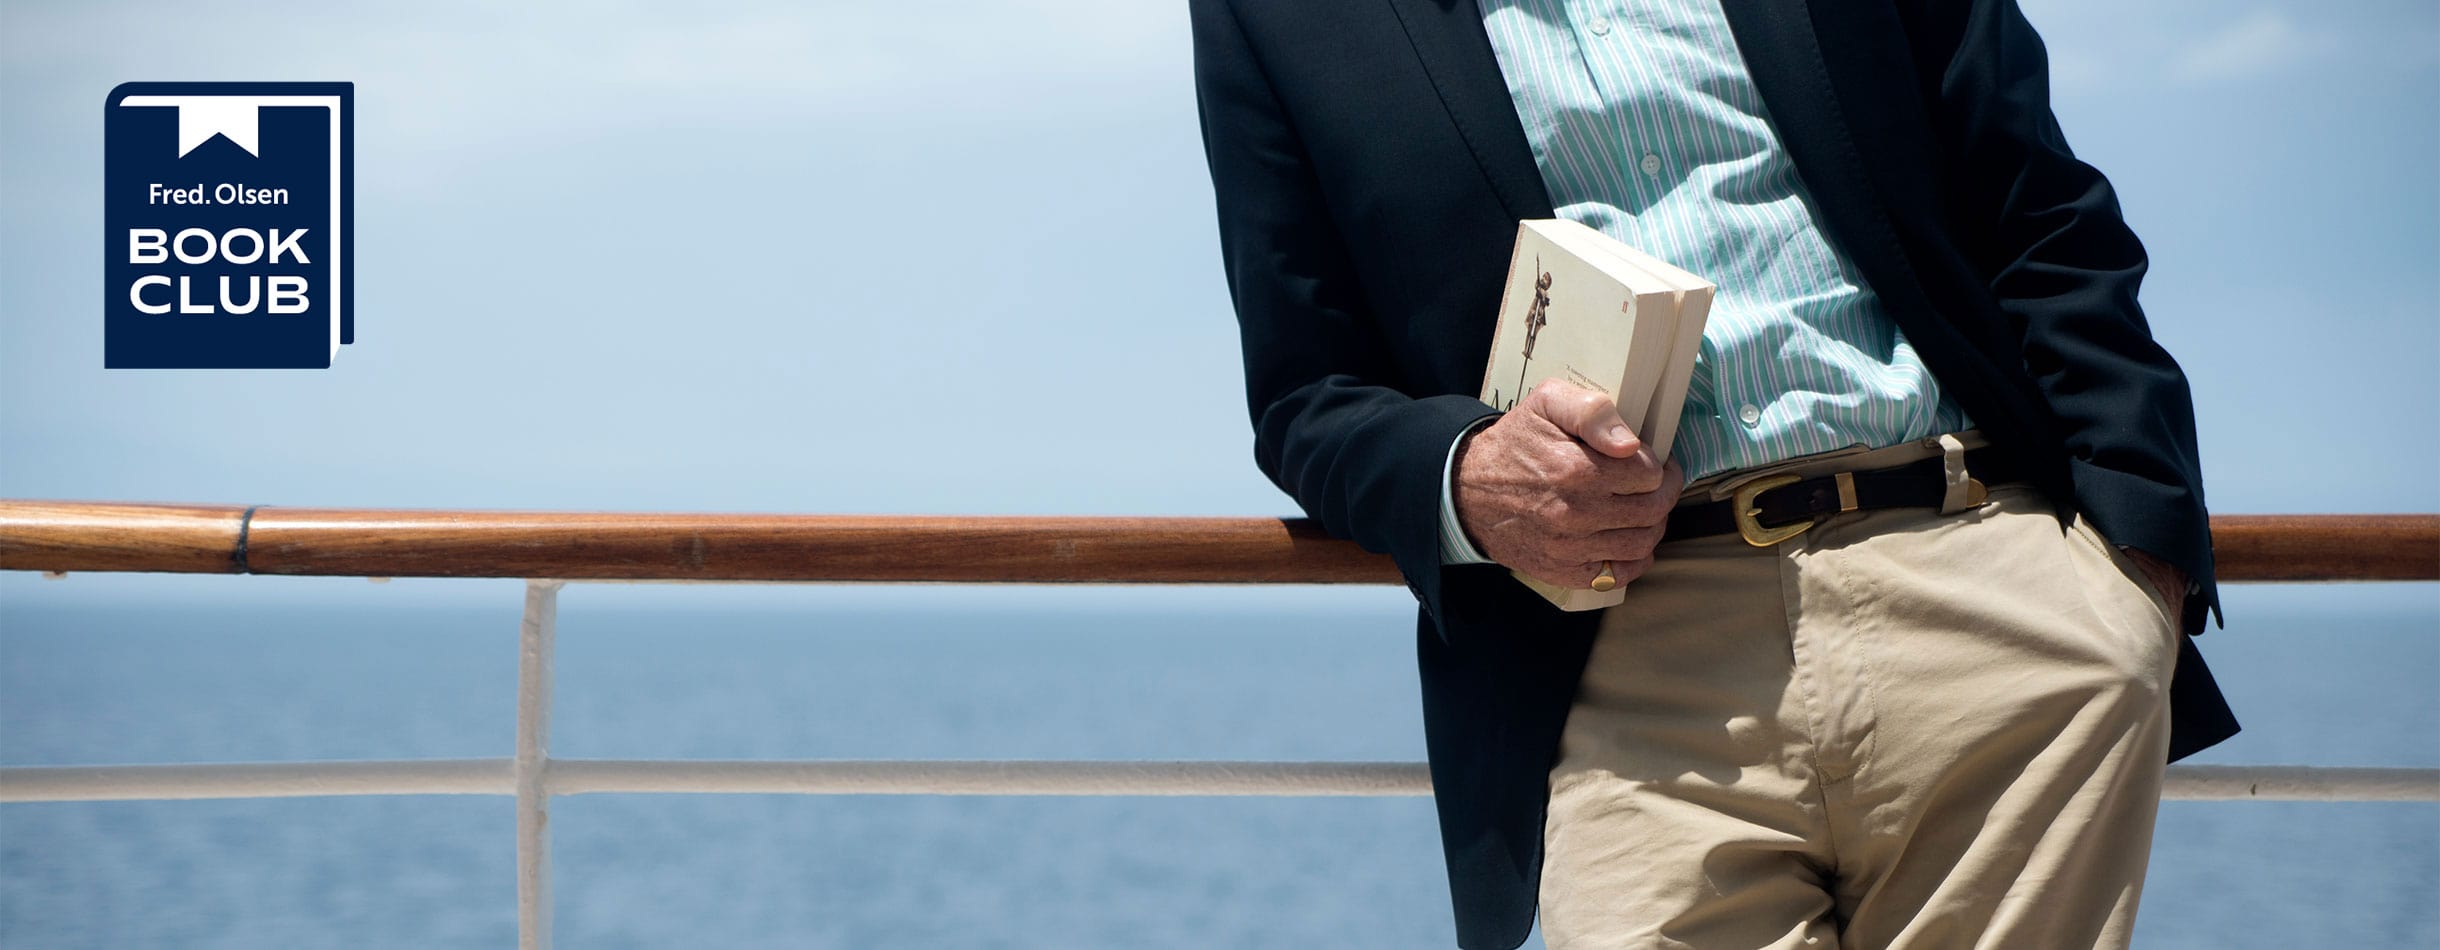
x=823, y=258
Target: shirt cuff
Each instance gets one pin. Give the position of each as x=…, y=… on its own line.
x=1455, y=548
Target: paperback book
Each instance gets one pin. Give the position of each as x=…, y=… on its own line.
x=1585, y=307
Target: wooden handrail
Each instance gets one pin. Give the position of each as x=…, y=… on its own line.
x=372, y=542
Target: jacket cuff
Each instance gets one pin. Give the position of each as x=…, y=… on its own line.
x=1428, y=429
x=2165, y=521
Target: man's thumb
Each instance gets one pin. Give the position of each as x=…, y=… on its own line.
x=1589, y=415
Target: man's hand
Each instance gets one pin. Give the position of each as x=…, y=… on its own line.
x=1559, y=484
x=2169, y=581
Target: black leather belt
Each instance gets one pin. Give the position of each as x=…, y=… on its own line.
x=1775, y=508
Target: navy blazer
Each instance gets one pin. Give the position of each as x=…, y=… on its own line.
x=1369, y=170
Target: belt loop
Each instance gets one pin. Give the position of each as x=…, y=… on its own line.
x=1964, y=491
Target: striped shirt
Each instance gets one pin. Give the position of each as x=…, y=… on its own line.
x=1646, y=127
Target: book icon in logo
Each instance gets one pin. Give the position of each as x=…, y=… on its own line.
x=227, y=220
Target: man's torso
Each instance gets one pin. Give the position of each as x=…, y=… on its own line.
x=1646, y=126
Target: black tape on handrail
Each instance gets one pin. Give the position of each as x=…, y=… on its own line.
x=244, y=522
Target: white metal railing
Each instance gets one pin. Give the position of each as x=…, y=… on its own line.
x=96, y=783
x=533, y=777
x=537, y=636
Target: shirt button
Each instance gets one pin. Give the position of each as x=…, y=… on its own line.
x=1652, y=165
x=1748, y=414
x=1600, y=26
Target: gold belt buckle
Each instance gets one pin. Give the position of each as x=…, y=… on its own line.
x=1746, y=511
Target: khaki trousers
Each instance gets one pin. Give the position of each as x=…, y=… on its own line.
x=1900, y=729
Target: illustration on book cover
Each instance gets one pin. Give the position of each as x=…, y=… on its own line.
x=1535, y=318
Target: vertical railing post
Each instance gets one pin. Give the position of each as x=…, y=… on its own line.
x=533, y=761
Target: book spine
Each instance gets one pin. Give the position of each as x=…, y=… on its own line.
x=1573, y=599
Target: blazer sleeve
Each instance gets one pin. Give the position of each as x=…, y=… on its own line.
x=1336, y=423
x=2046, y=229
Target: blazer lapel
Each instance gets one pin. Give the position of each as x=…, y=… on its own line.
x=1448, y=37
x=1783, y=53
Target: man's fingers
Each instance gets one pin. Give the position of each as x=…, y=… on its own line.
x=1651, y=484
x=1636, y=474
x=1628, y=544
x=1612, y=544
x=1587, y=414
x=1584, y=515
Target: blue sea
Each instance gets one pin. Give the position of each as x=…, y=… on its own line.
x=917, y=672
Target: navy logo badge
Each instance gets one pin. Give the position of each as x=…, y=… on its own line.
x=227, y=214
